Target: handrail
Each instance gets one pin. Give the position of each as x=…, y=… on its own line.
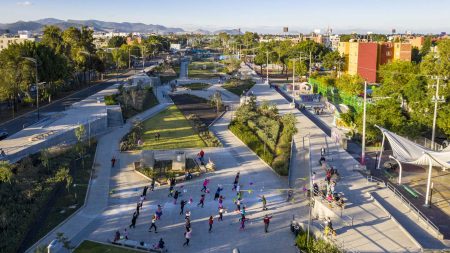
x=419, y=214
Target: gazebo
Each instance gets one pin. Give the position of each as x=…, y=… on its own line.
x=406, y=151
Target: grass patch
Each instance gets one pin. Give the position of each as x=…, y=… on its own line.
x=238, y=86
x=202, y=69
x=196, y=86
x=90, y=246
x=176, y=132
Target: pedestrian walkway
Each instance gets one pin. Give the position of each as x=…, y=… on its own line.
x=372, y=230
x=98, y=191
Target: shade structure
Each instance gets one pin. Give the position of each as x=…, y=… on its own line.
x=407, y=151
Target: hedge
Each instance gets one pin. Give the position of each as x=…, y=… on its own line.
x=246, y=135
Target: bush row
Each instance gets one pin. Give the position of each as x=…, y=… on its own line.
x=246, y=135
x=310, y=245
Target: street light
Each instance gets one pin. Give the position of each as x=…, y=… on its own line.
x=363, y=141
x=35, y=61
x=267, y=66
x=399, y=167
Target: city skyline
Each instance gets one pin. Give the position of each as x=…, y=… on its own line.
x=300, y=16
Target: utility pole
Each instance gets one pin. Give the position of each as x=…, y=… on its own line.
x=293, y=79
x=310, y=63
x=436, y=100
x=363, y=141
x=143, y=59
x=267, y=67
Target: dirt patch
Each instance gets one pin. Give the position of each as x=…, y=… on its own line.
x=189, y=104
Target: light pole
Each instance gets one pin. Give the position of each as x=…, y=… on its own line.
x=399, y=169
x=363, y=141
x=35, y=61
x=267, y=66
x=436, y=100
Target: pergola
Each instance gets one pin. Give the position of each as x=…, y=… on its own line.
x=406, y=151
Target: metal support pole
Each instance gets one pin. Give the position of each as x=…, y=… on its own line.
x=267, y=68
x=363, y=144
x=37, y=89
x=293, y=80
x=436, y=100
x=430, y=168
x=381, y=151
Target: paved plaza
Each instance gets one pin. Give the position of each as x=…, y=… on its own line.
x=114, y=192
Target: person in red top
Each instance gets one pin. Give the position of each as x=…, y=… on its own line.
x=266, y=222
x=201, y=155
x=210, y=222
x=113, y=161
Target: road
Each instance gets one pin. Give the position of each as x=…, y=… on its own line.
x=17, y=124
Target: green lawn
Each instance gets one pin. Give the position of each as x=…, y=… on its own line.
x=196, y=86
x=238, y=86
x=91, y=247
x=195, y=69
x=175, y=130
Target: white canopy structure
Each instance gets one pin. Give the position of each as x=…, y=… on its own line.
x=406, y=151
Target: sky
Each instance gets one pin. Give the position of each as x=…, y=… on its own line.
x=419, y=16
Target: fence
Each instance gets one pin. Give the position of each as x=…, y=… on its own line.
x=411, y=206
x=335, y=95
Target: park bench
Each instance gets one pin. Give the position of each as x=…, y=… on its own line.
x=410, y=191
x=135, y=245
x=389, y=175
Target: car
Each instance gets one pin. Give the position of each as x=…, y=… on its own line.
x=3, y=134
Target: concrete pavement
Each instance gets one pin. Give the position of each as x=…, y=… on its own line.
x=98, y=191
x=372, y=231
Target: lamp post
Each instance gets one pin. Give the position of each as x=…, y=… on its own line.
x=399, y=169
x=35, y=61
x=267, y=66
x=363, y=141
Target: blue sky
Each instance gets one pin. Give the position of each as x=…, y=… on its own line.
x=256, y=15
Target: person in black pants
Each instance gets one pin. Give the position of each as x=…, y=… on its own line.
x=133, y=221
x=182, y=204
x=153, y=224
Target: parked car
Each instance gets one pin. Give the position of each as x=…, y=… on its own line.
x=3, y=134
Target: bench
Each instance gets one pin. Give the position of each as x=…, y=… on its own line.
x=135, y=245
x=389, y=175
x=410, y=191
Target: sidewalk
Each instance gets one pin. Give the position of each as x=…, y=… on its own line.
x=98, y=191
x=373, y=231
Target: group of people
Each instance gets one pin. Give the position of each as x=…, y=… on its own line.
x=175, y=192
x=329, y=184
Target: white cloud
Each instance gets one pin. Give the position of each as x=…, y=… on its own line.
x=25, y=3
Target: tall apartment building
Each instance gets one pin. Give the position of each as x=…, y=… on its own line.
x=364, y=58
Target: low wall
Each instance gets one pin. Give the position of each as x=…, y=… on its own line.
x=93, y=128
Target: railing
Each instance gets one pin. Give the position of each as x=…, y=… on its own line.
x=411, y=206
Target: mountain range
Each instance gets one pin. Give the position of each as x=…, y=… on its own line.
x=99, y=26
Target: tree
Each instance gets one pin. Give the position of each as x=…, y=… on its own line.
x=216, y=100
x=6, y=175
x=351, y=84
x=80, y=133
x=45, y=158
x=63, y=175
x=333, y=60
x=52, y=37
x=116, y=41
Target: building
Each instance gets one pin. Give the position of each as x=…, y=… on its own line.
x=6, y=41
x=364, y=58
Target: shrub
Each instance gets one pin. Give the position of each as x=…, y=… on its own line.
x=247, y=136
x=310, y=245
x=111, y=99
x=281, y=164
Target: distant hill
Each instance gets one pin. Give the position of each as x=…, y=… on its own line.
x=229, y=31
x=101, y=26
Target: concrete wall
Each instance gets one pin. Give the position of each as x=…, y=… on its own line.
x=93, y=128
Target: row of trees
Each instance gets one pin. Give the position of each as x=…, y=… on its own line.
x=63, y=59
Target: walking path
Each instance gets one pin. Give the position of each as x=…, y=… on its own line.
x=372, y=231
